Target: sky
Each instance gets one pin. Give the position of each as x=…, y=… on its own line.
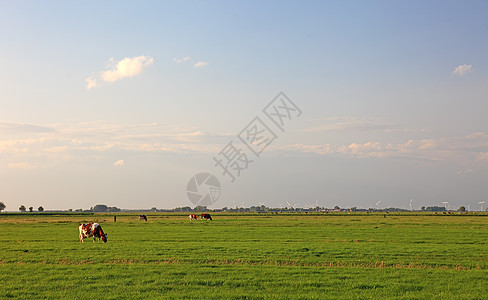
x=368, y=104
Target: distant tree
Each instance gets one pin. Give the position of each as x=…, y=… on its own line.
x=462, y=209
x=337, y=207
x=183, y=209
x=40, y=208
x=31, y=209
x=200, y=209
x=22, y=208
x=435, y=208
x=2, y=206
x=422, y=208
x=113, y=209
x=154, y=209
x=99, y=208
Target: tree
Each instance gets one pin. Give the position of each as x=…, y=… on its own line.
x=435, y=208
x=100, y=208
x=200, y=209
x=22, y=208
x=113, y=209
x=40, y=208
x=2, y=206
x=31, y=209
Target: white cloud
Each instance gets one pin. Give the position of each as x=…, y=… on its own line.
x=200, y=64
x=20, y=145
x=119, y=163
x=127, y=67
x=91, y=82
x=462, y=70
x=180, y=60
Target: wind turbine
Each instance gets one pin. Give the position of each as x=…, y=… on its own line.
x=445, y=204
x=482, y=202
x=377, y=204
x=290, y=205
x=411, y=204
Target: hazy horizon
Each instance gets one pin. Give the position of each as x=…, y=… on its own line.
x=121, y=104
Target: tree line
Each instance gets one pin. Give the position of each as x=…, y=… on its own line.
x=22, y=208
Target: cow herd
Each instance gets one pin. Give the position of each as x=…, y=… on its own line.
x=95, y=230
x=202, y=217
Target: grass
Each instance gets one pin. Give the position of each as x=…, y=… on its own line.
x=246, y=256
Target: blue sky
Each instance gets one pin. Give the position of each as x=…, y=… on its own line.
x=122, y=103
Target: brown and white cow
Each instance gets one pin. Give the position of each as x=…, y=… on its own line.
x=205, y=217
x=193, y=217
x=92, y=229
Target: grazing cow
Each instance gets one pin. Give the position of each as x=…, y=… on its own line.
x=205, y=217
x=193, y=217
x=142, y=217
x=92, y=229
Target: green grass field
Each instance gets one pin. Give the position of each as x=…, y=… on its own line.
x=246, y=256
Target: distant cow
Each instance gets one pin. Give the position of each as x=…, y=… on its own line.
x=142, y=217
x=92, y=229
x=205, y=217
x=193, y=217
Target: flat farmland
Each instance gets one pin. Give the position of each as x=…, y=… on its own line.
x=243, y=256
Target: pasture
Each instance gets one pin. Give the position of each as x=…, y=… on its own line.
x=402, y=256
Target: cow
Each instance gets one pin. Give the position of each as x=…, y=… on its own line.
x=142, y=217
x=92, y=229
x=193, y=217
x=205, y=217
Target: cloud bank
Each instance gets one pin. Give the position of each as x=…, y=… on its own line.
x=459, y=150
x=92, y=141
